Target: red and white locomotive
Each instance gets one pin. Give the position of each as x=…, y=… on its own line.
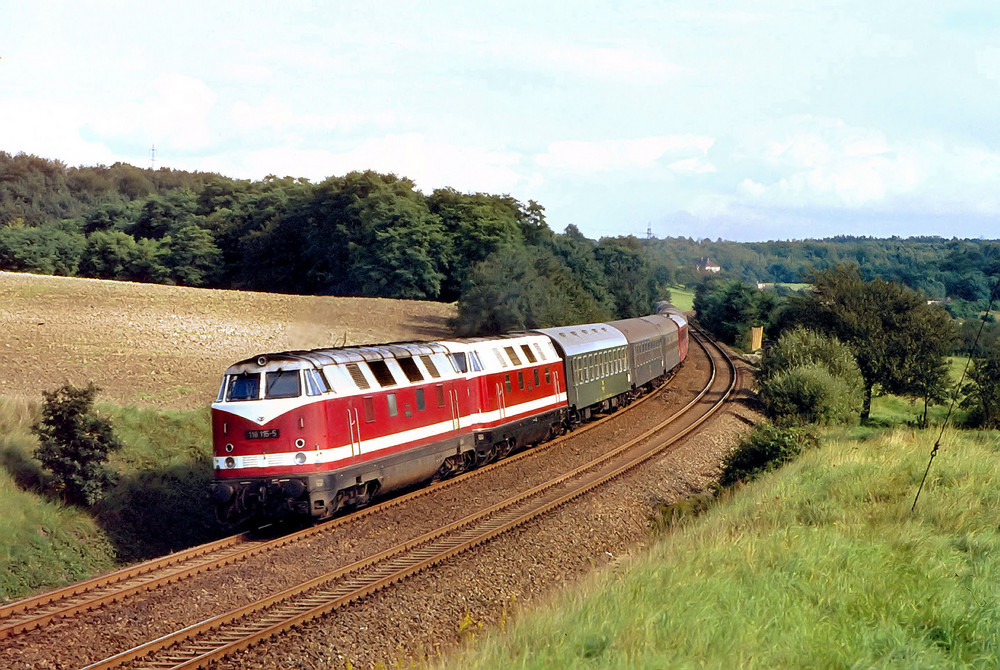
x=308, y=433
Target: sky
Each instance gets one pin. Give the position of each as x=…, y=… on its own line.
x=765, y=120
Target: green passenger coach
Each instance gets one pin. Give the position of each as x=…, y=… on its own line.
x=596, y=360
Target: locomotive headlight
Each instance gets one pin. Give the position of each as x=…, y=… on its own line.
x=300, y=458
x=229, y=448
x=230, y=462
x=299, y=443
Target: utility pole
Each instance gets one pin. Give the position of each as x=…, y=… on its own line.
x=152, y=157
x=649, y=231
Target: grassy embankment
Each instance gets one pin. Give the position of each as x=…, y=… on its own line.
x=820, y=564
x=157, y=506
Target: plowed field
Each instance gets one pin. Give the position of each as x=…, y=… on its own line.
x=168, y=346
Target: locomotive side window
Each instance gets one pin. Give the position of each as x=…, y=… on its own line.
x=520, y=380
x=420, y=400
x=315, y=382
x=391, y=400
x=410, y=369
x=429, y=364
x=358, y=376
x=506, y=382
x=548, y=375
x=477, y=364
x=382, y=374
x=513, y=356
x=458, y=360
x=369, y=404
x=245, y=386
x=282, y=384
x=439, y=389
x=536, y=377
x=222, y=391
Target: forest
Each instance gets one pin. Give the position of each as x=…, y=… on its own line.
x=371, y=234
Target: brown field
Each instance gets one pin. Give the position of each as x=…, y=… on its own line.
x=145, y=344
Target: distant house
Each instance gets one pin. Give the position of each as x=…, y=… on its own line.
x=706, y=265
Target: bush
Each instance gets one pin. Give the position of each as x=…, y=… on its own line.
x=766, y=448
x=74, y=444
x=808, y=377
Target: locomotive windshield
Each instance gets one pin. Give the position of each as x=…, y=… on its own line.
x=282, y=384
x=244, y=386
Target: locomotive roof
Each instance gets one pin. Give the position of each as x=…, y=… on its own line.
x=321, y=357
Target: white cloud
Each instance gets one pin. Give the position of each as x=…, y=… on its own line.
x=824, y=163
x=616, y=63
x=279, y=115
x=429, y=164
x=174, y=113
x=619, y=155
x=50, y=130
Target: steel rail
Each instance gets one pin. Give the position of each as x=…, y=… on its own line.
x=233, y=631
x=38, y=611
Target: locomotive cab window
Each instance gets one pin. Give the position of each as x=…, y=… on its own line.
x=245, y=386
x=282, y=384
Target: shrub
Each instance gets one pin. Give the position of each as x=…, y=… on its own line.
x=766, y=448
x=808, y=377
x=74, y=443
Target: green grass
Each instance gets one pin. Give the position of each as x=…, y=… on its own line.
x=682, y=298
x=818, y=565
x=158, y=504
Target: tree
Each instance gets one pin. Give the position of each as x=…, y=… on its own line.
x=897, y=339
x=74, y=443
x=982, y=392
x=519, y=288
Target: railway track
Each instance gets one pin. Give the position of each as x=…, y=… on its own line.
x=38, y=611
x=215, y=638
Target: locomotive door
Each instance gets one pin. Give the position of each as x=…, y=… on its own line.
x=354, y=421
x=447, y=396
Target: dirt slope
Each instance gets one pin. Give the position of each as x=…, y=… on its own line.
x=168, y=346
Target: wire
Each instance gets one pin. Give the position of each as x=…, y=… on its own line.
x=954, y=397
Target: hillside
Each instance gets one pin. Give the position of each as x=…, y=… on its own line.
x=168, y=346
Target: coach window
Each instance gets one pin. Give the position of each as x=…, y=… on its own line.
x=420, y=400
x=369, y=404
x=520, y=380
x=391, y=400
x=244, y=386
x=282, y=384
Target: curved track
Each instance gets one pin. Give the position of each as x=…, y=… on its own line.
x=38, y=611
x=203, y=643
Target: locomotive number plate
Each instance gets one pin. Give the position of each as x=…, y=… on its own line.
x=262, y=434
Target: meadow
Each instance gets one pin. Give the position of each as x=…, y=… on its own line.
x=821, y=564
